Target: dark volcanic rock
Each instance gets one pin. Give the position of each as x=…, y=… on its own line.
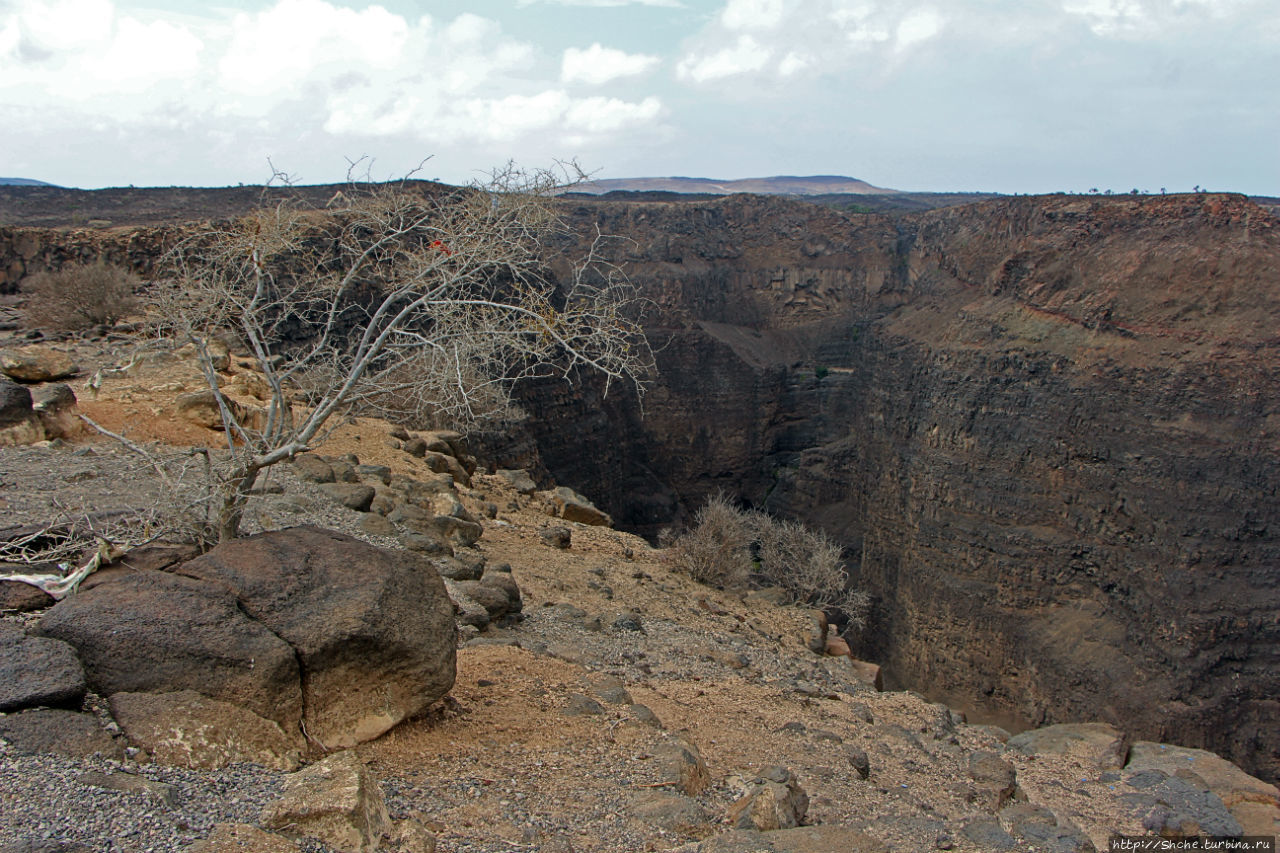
x=1038, y=425
x=50, y=730
x=372, y=630
x=157, y=632
x=37, y=671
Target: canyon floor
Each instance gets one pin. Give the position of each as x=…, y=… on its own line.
x=558, y=733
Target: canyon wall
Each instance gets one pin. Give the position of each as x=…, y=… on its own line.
x=1046, y=429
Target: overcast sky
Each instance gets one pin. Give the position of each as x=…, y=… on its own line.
x=1001, y=95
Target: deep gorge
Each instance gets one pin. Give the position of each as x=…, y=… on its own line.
x=1045, y=429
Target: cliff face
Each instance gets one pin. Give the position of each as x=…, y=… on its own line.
x=1046, y=429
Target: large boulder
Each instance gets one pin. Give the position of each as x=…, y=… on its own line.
x=157, y=632
x=298, y=627
x=37, y=363
x=372, y=629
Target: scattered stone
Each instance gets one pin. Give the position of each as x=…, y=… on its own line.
x=837, y=647
x=351, y=495
x=572, y=506
x=988, y=835
x=201, y=408
x=312, y=468
x=409, y=835
x=1040, y=829
x=45, y=845
x=858, y=760
x=493, y=599
x=507, y=584
x=59, y=732
x=186, y=729
x=1177, y=806
x=800, y=839
x=556, y=537
x=1256, y=804
x=518, y=479
x=377, y=473
x=427, y=544
x=336, y=801
x=644, y=714
x=678, y=762
x=243, y=838
x=1106, y=746
x=19, y=423
x=36, y=363
x=415, y=447
x=160, y=632
x=53, y=404
x=628, y=620
x=996, y=779
x=868, y=673
x=774, y=800
x=457, y=570
x=460, y=532
x=376, y=525
x=38, y=671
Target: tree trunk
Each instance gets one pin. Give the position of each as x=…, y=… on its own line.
x=234, y=498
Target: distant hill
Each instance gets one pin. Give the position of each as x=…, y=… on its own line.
x=778, y=185
x=23, y=182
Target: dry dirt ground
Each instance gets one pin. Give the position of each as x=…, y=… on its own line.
x=541, y=746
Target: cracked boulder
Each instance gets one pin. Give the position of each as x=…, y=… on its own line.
x=304, y=629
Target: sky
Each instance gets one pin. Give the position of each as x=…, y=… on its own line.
x=945, y=95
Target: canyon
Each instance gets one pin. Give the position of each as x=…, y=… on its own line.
x=1044, y=428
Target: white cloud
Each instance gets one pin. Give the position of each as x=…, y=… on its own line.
x=603, y=4
x=298, y=40
x=598, y=64
x=754, y=14
x=743, y=56
x=608, y=115
x=919, y=26
x=793, y=63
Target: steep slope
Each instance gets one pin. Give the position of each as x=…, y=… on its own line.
x=1044, y=427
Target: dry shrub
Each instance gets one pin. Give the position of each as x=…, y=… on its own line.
x=719, y=548
x=716, y=550
x=806, y=563
x=80, y=296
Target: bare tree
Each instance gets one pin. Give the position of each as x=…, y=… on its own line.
x=392, y=298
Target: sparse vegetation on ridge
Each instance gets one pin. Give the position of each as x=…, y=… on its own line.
x=80, y=296
x=419, y=307
x=728, y=547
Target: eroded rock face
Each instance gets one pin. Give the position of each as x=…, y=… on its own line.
x=1039, y=426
